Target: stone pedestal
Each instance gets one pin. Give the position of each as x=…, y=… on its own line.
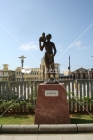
x=51, y=105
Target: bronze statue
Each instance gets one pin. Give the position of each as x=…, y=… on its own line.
x=49, y=54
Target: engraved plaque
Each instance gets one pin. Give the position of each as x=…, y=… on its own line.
x=51, y=93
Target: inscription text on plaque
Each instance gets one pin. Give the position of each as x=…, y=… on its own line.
x=51, y=92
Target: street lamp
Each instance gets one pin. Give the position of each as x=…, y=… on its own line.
x=22, y=61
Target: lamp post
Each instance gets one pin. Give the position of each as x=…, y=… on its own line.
x=22, y=61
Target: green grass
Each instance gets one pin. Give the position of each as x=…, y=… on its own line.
x=80, y=119
x=29, y=119
x=17, y=119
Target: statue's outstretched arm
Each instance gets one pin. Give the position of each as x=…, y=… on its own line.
x=41, y=46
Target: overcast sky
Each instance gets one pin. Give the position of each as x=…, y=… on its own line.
x=69, y=21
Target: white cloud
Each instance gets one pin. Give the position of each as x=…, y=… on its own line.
x=76, y=44
x=29, y=46
x=82, y=48
x=79, y=46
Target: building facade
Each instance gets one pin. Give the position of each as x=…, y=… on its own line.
x=6, y=74
x=35, y=73
x=83, y=73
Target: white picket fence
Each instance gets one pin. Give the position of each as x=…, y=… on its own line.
x=76, y=90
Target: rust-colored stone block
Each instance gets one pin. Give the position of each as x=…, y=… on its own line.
x=51, y=105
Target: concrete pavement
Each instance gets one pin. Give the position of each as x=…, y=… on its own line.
x=87, y=136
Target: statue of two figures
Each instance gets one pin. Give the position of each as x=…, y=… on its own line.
x=44, y=42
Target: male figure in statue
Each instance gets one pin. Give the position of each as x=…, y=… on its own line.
x=49, y=54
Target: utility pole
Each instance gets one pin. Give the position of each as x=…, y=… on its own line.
x=69, y=67
x=69, y=63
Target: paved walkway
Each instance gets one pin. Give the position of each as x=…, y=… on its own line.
x=87, y=136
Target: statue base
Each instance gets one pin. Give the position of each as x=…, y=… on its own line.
x=52, y=81
x=52, y=105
